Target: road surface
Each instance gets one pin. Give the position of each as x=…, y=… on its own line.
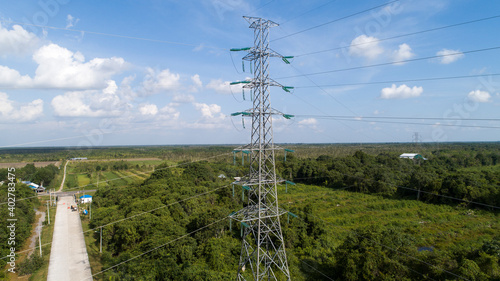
x=68, y=257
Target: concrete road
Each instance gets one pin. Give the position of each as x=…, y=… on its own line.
x=68, y=257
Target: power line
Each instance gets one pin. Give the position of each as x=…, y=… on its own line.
x=305, y=13
x=403, y=187
x=335, y=99
x=329, y=278
x=142, y=213
x=401, y=117
x=400, y=36
x=400, y=81
x=410, y=123
x=163, y=245
x=143, y=173
x=394, y=62
x=158, y=208
x=352, y=231
x=335, y=20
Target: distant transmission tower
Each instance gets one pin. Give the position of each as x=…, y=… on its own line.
x=263, y=248
x=417, y=140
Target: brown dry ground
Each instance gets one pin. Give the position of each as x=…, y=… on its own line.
x=22, y=164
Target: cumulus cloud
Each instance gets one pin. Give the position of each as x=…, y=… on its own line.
x=365, y=46
x=58, y=67
x=148, y=109
x=90, y=103
x=403, y=53
x=401, y=92
x=11, y=78
x=479, y=96
x=61, y=68
x=449, y=56
x=17, y=41
x=164, y=80
x=10, y=111
x=211, y=116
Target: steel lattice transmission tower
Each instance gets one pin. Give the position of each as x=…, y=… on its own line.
x=263, y=248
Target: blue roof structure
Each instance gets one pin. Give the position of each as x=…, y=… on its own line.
x=86, y=196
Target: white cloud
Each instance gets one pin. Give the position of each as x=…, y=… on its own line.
x=224, y=87
x=161, y=81
x=362, y=47
x=23, y=113
x=211, y=117
x=208, y=111
x=479, y=96
x=403, y=53
x=148, y=109
x=183, y=98
x=448, y=56
x=308, y=122
x=71, y=21
x=401, y=92
x=197, y=81
x=169, y=113
x=219, y=86
x=90, y=103
x=311, y=123
x=11, y=78
x=17, y=41
x=58, y=67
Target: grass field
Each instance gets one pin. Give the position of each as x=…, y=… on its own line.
x=439, y=226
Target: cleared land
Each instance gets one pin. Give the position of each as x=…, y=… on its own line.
x=22, y=164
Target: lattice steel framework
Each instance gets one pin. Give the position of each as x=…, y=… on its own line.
x=263, y=247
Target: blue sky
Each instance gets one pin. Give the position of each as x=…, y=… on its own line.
x=90, y=73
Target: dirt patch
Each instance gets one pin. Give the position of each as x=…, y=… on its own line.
x=22, y=164
x=126, y=159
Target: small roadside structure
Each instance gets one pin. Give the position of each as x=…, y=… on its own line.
x=79, y=158
x=34, y=186
x=222, y=176
x=86, y=199
x=412, y=156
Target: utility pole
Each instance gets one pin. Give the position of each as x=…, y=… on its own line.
x=48, y=211
x=100, y=245
x=263, y=248
x=40, y=241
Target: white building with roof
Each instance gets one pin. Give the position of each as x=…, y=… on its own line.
x=412, y=156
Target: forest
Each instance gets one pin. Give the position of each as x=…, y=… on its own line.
x=360, y=216
x=359, y=211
